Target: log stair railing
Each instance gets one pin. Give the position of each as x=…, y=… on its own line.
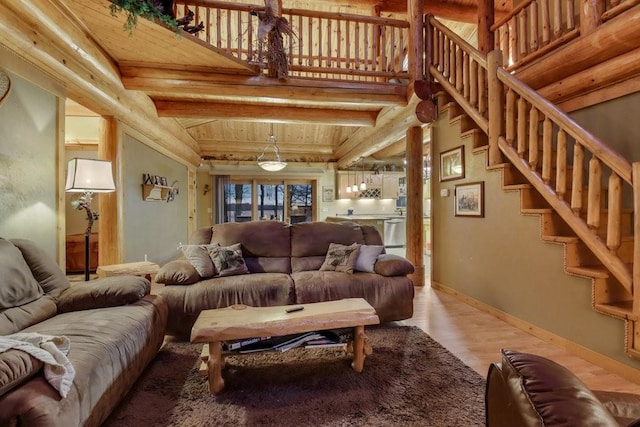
x=583, y=191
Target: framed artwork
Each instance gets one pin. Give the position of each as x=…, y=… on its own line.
x=327, y=193
x=452, y=164
x=469, y=199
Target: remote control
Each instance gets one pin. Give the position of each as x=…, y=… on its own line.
x=293, y=309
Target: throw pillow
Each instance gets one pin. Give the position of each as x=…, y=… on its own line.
x=19, y=287
x=340, y=258
x=177, y=272
x=198, y=256
x=367, y=257
x=228, y=260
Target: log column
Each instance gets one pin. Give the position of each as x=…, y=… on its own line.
x=109, y=243
x=590, y=15
x=415, y=227
x=485, y=21
x=416, y=47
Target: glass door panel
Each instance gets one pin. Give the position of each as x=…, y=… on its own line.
x=270, y=201
x=237, y=202
x=300, y=204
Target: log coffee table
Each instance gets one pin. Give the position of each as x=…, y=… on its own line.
x=241, y=321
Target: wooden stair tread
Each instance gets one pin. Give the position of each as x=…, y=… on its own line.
x=560, y=239
x=586, y=271
x=510, y=187
x=621, y=309
x=540, y=211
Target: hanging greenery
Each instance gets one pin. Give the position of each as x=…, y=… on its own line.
x=149, y=9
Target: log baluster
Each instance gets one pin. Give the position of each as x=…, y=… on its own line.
x=533, y=26
x=534, y=138
x=459, y=71
x=522, y=31
x=511, y=117
x=557, y=19
x=513, y=40
x=482, y=91
x=522, y=127
x=473, y=74
x=577, y=184
x=357, y=44
x=561, y=164
x=545, y=22
x=594, y=194
x=614, y=218
x=547, y=150
x=447, y=58
x=218, y=28
x=466, y=90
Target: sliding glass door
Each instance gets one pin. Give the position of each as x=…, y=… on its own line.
x=246, y=199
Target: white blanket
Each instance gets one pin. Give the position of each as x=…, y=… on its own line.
x=49, y=349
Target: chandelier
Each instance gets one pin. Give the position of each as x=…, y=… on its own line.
x=273, y=164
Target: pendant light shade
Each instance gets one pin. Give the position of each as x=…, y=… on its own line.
x=274, y=163
x=363, y=185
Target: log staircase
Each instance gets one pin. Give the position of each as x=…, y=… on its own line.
x=583, y=192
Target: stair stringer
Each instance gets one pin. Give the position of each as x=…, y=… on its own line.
x=608, y=296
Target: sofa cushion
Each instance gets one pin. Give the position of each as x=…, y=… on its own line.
x=310, y=242
x=177, y=272
x=340, y=258
x=19, y=287
x=44, y=268
x=228, y=260
x=367, y=257
x=199, y=257
x=101, y=293
x=547, y=393
x=16, y=367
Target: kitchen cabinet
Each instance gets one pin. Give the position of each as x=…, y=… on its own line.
x=343, y=179
x=391, y=184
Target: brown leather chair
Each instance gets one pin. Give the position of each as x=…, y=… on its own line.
x=528, y=390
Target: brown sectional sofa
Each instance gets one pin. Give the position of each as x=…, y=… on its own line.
x=284, y=261
x=113, y=328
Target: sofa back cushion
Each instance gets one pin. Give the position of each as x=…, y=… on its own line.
x=310, y=242
x=18, y=287
x=266, y=245
x=27, y=272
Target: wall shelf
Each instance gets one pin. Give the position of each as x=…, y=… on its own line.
x=155, y=193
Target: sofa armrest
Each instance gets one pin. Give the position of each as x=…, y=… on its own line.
x=625, y=407
x=177, y=272
x=101, y=293
x=393, y=265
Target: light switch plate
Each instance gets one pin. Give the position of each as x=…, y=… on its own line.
x=444, y=192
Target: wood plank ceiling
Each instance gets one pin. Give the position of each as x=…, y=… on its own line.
x=229, y=109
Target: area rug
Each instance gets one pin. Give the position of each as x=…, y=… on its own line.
x=409, y=380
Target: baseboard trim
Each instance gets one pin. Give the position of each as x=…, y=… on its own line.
x=594, y=357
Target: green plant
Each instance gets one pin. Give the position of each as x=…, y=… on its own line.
x=149, y=9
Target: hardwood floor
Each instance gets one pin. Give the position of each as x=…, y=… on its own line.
x=476, y=338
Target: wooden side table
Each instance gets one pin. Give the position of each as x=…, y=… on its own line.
x=146, y=269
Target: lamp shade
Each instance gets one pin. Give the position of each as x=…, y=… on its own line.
x=89, y=175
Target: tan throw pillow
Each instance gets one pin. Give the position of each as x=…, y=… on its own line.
x=198, y=256
x=228, y=260
x=18, y=287
x=177, y=272
x=367, y=257
x=340, y=258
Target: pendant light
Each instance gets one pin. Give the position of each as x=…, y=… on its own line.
x=355, y=178
x=363, y=185
x=276, y=163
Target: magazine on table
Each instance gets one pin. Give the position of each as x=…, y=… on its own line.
x=317, y=339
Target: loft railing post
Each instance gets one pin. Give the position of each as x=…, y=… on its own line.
x=635, y=179
x=486, y=37
x=416, y=40
x=496, y=106
x=590, y=15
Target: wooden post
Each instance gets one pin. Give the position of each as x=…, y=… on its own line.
x=590, y=15
x=496, y=106
x=416, y=47
x=485, y=21
x=636, y=232
x=415, y=232
x=109, y=243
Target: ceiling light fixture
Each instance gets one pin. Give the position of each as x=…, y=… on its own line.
x=363, y=185
x=275, y=164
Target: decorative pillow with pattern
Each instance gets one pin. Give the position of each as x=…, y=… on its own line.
x=228, y=260
x=341, y=258
x=198, y=256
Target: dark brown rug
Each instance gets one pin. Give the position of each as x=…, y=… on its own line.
x=409, y=380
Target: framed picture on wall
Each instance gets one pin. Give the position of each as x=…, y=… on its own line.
x=327, y=193
x=452, y=164
x=469, y=199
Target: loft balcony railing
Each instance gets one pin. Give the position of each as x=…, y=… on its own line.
x=537, y=27
x=325, y=45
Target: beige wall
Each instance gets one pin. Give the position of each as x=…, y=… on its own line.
x=501, y=261
x=28, y=158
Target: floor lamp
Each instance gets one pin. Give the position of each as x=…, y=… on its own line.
x=88, y=176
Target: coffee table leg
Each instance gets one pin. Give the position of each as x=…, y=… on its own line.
x=215, y=365
x=358, y=348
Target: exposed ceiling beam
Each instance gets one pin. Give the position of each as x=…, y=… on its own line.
x=273, y=114
x=199, y=85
